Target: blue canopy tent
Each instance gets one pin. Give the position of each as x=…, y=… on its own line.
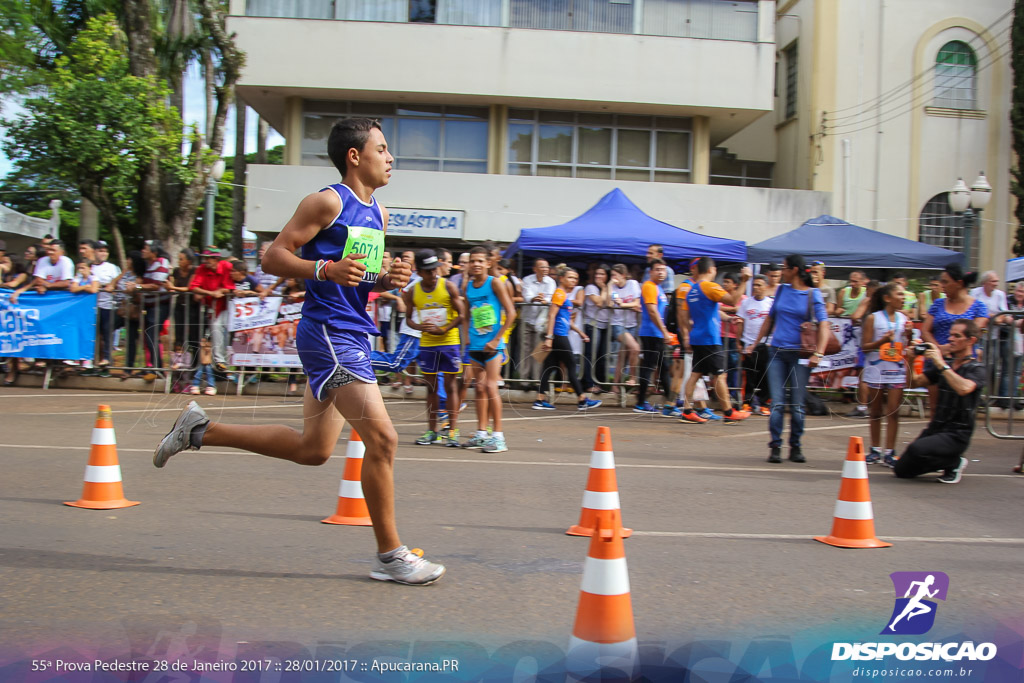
x=844, y=245
x=614, y=229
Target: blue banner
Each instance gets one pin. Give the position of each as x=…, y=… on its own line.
x=55, y=325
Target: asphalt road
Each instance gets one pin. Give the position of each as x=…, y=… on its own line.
x=227, y=547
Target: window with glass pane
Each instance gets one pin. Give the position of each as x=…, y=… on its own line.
x=634, y=148
x=939, y=226
x=551, y=14
x=422, y=11
x=520, y=142
x=420, y=137
x=595, y=146
x=465, y=140
x=554, y=143
x=673, y=149
x=598, y=145
x=955, y=68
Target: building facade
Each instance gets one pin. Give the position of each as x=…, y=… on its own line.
x=884, y=104
x=510, y=114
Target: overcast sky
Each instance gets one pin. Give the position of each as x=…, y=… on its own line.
x=195, y=111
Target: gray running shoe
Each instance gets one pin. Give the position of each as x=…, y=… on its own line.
x=495, y=445
x=408, y=568
x=180, y=436
x=476, y=442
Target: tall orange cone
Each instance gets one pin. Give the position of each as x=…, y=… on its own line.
x=603, y=636
x=352, y=510
x=602, y=492
x=853, y=525
x=102, y=489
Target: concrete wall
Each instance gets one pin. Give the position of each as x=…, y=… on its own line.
x=730, y=80
x=498, y=207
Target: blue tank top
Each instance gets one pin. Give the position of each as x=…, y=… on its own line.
x=328, y=303
x=485, y=314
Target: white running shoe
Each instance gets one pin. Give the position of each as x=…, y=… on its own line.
x=408, y=568
x=180, y=436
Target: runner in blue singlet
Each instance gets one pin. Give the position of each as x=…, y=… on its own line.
x=340, y=231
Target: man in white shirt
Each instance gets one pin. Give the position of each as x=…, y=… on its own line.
x=54, y=272
x=105, y=272
x=753, y=311
x=995, y=300
x=537, y=290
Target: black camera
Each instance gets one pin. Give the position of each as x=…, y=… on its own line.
x=920, y=348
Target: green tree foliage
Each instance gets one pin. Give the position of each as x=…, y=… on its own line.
x=95, y=125
x=1017, y=119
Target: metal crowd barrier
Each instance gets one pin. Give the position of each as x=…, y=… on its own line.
x=1001, y=354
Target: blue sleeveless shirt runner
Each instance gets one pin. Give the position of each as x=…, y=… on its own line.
x=332, y=337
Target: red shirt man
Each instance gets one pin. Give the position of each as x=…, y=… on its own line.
x=212, y=280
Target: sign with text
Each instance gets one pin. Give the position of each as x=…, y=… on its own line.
x=264, y=332
x=55, y=325
x=425, y=223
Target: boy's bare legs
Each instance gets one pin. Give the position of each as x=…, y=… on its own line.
x=358, y=403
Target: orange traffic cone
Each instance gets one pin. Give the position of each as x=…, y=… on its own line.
x=352, y=509
x=854, y=522
x=602, y=492
x=604, y=637
x=102, y=489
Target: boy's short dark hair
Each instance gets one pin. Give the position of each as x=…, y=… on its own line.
x=348, y=133
x=760, y=277
x=239, y=267
x=479, y=250
x=656, y=262
x=772, y=267
x=704, y=265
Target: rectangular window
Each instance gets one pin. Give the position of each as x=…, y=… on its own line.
x=599, y=16
x=726, y=169
x=591, y=145
x=792, y=56
x=420, y=137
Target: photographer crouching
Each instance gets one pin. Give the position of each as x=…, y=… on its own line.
x=960, y=378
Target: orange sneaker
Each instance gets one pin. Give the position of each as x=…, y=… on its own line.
x=692, y=416
x=747, y=408
x=764, y=411
x=735, y=416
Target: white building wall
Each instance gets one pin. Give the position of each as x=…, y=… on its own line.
x=498, y=207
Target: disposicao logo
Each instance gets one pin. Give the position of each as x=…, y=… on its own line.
x=914, y=614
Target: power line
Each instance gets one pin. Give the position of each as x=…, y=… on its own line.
x=923, y=73
x=854, y=119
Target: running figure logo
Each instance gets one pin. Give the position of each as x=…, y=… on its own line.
x=914, y=613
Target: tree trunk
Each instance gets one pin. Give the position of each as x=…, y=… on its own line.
x=1017, y=119
x=263, y=130
x=238, y=191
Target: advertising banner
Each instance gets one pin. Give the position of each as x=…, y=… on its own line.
x=55, y=325
x=264, y=332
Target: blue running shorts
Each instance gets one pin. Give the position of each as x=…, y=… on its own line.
x=324, y=351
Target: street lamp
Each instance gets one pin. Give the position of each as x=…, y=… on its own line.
x=216, y=173
x=969, y=203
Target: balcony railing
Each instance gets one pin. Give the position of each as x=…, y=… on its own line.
x=714, y=19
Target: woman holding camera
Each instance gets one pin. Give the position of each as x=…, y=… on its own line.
x=958, y=304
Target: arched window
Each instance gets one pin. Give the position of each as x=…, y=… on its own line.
x=955, y=68
x=939, y=226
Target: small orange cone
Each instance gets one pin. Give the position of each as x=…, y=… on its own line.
x=602, y=492
x=604, y=636
x=854, y=522
x=102, y=489
x=352, y=509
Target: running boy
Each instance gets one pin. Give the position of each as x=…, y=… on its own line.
x=489, y=301
x=340, y=231
x=439, y=311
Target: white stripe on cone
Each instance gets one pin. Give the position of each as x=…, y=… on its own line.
x=601, y=500
x=351, y=489
x=605, y=577
x=355, y=449
x=855, y=469
x=602, y=460
x=846, y=509
x=103, y=436
x=102, y=474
